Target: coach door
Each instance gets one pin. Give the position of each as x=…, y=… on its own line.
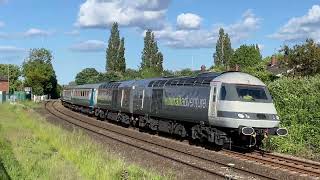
x=212, y=111
x=156, y=104
x=92, y=96
x=114, y=98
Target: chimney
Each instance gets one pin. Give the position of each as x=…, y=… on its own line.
x=203, y=68
x=273, y=61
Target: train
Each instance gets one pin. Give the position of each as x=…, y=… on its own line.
x=232, y=108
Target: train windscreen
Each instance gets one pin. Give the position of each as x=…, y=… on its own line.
x=248, y=93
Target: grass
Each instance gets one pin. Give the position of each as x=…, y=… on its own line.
x=31, y=148
x=3, y=173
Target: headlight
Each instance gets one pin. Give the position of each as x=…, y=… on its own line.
x=275, y=117
x=247, y=116
x=240, y=115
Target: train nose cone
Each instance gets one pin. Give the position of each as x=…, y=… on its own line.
x=282, y=132
x=247, y=131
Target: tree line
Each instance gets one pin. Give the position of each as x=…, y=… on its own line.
x=36, y=72
x=151, y=61
x=225, y=58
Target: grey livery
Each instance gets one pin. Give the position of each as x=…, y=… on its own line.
x=219, y=108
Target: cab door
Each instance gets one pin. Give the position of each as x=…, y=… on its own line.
x=212, y=110
x=93, y=98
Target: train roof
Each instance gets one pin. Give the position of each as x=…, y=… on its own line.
x=238, y=78
x=84, y=86
x=202, y=79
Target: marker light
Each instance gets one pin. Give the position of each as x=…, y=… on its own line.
x=240, y=115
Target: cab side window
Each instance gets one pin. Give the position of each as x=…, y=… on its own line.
x=214, y=94
x=223, y=93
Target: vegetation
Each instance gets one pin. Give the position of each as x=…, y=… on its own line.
x=303, y=59
x=224, y=51
x=246, y=56
x=260, y=71
x=115, y=60
x=14, y=74
x=39, y=73
x=87, y=76
x=152, y=58
x=31, y=148
x=297, y=101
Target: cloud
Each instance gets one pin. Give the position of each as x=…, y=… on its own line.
x=243, y=28
x=31, y=33
x=143, y=13
x=3, y=1
x=4, y=35
x=34, y=32
x=188, y=21
x=204, y=38
x=73, y=33
x=10, y=49
x=186, y=38
x=300, y=28
x=2, y=24
x=89, y=46
x=261, y=46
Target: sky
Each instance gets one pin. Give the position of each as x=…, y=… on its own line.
x=77, y=31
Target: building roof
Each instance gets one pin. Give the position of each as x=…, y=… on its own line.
x=277, y=67
x=3, y=78
x=84, y=86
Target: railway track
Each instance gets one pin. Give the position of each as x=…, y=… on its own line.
x=293, y=165
x=201, y=161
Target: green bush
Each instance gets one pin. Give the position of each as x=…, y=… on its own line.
x=297, y=101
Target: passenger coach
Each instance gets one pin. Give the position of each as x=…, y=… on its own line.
x=218, y=108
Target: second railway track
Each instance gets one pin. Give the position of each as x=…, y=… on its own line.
x=304, y=167
x=189, y=156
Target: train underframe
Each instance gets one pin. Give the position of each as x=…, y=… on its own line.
x=201, y=133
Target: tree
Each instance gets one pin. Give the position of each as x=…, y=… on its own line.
x=246, y=56
x=132, y=74
x=14, y=74
x=113, y=48
x=228, y=51
x=110, y=76
x=224, y=51
x=146, y=53
x=115, y=59
x=152, y=58
x=185, y=72
x=260, y=71
x=87, y=76
x=39, y=74
x=304, y=59
x=121, y=64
